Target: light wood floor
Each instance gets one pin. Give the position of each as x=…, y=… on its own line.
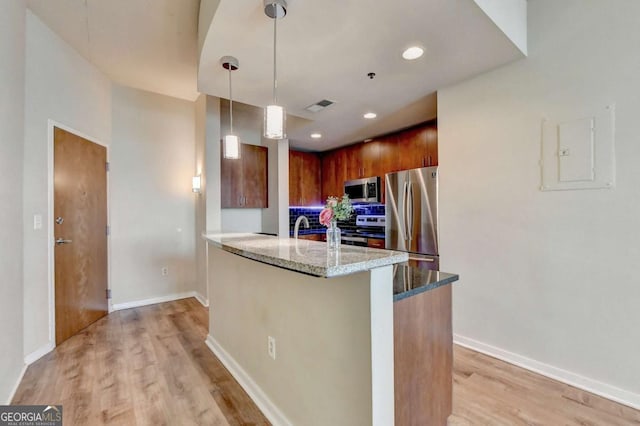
x=487, y=391
x=143, y=366
x=150, y=366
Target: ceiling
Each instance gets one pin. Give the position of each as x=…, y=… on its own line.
x=147, y=44
x=326, y=48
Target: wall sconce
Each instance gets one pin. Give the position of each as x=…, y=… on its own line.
x=196, y=184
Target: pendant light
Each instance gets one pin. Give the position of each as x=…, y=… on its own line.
x=231, y=144
x=274, y=115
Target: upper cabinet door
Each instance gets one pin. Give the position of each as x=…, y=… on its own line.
x=412, y=146
x=244, y=181
x=304, y=179
x=311, y=179
x=255, y=176
x=431, y=158
x=334, y=173
x=353, y=161
x=295, y=170
x=370, y=159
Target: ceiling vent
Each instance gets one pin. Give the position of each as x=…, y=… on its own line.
x=319, y=106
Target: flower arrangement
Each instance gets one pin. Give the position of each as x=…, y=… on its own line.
x=336, y=209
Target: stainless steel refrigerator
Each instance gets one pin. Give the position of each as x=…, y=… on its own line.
x=411, y=215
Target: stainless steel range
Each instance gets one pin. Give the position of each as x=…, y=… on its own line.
x=367, y=227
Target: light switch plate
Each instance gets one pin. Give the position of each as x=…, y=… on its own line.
x=37, y=221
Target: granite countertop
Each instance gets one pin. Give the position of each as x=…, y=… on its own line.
x=409, y=280
x=308, y=257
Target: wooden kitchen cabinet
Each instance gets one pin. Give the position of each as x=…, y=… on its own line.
x=375, y=242
x=404, y=150
x=244, y=181
x=304, y=179
x=334, y=173
x=312, y=237
x=418, y=147
x=411, y=145
x=362, y=160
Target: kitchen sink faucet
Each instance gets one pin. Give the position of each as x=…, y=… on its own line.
x=296, y=227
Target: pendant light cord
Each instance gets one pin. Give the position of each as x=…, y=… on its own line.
x=230, y=102
x=275, y=76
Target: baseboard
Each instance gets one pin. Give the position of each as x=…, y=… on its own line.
x=204, y=302
x=604, y=390
x=38, y=353
x=268, y=408
x=15, y=387
x=153, y=300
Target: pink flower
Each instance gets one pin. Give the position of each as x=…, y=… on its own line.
x=325, y=216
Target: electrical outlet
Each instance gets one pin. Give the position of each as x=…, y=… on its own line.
x=165, y=271
x=271, y=347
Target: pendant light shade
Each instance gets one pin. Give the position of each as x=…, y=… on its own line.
x=231, y=142
x=274, y=115
x=274, y=122
x=231, y=148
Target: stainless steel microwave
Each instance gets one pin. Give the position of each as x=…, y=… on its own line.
x=365, y=190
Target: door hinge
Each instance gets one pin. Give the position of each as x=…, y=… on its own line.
x=108, y=230
x=108, y=293
x=107, y=166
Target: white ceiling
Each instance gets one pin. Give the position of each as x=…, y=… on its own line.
x=326, y=48
x=146, y=44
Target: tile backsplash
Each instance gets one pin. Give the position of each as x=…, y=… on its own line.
x=314, y=224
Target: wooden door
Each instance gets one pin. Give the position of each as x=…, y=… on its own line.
x=80, y=230
x=254, y=175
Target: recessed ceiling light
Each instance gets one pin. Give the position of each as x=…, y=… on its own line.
x=316, y=135
x=370, y=115
x=414, y=52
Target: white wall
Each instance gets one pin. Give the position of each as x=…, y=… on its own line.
x=200, y=124
x=62, y=86
x=152, y=205
x=548, y=276
x=212, y=164
x=12, y=51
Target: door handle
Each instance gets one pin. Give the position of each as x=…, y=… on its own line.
x=61, y=241
x=410, y=212
x=404, y=211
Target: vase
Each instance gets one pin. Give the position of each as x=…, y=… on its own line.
x=333, y=236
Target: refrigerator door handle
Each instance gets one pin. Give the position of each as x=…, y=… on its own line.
x=410, y=212
x=404, y=210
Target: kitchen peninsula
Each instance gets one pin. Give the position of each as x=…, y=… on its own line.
x=309, y=333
